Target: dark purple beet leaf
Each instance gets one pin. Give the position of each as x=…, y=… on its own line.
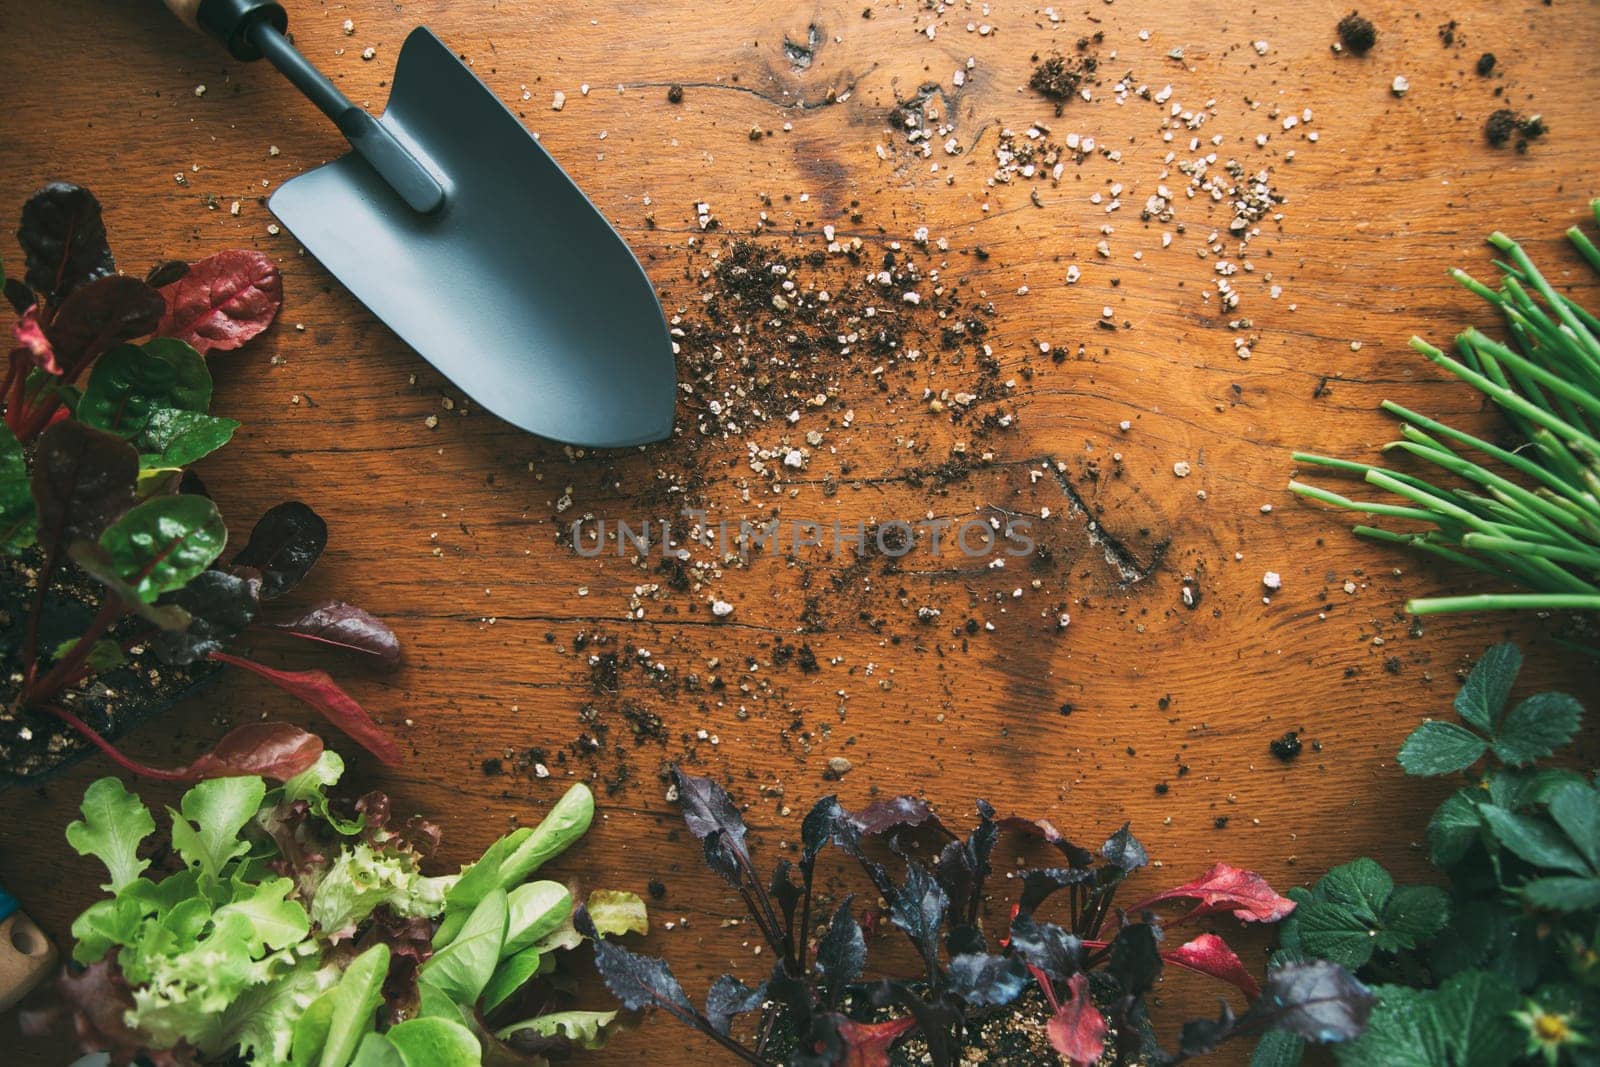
x=83, y=481
x=1135, y=959
x=1123, y=850
x=711, y=815
x=333, y=622
x=1200, y=1037
x=1318, y=1000
x=842, y=951
x=918, y=908
x=103, y=313
x=987, y=981
x=284, y=546
x=64, y=240
x=896, y=813
x=639, y=982
x=18, y=295
x=729, y=997
x=220, y=606
x=1040, y=883
x=1046, y=946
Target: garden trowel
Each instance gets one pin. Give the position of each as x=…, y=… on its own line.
x=459, y=231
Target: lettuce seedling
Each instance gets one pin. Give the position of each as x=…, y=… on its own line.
x=97, y=432
x=1094, y=973
x=293, y=927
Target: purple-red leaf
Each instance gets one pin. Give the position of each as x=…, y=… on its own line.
x=1077, y=1030
x=1043, y=828
x=1223, y=888
x=868, y=1044
x=64, y=240
x=896, y=813
x=219, y=604
x=323, y=693
x=712, y=816
x=276, y=750
x=30, y=335
x=333, y=622
x=1209, y=954
x=83, y=480
x=103, y=313
x=222, y=301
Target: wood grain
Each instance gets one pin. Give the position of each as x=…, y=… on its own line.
x=454, y=533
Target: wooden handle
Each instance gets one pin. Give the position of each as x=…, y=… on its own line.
x=26, y=956
x=187, y=10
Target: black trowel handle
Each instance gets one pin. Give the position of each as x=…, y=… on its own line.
x=230, y=21
x=255, y=28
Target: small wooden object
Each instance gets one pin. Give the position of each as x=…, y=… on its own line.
x=27, y=956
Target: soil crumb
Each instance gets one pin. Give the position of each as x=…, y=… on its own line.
x=1058, y=77
x=1357, y=33
x=1505, y=125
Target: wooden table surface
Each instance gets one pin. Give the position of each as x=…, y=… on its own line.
x=453, y=531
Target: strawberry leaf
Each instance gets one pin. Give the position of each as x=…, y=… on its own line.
x=1483, y=697
x=1436, y=748
x=1537, y=727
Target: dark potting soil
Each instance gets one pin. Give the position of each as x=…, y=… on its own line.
x=34, y=744
x=1357, y=34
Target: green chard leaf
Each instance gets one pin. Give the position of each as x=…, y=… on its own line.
x=1436, y=748
x=130, y=382
x=114, y=824
x=1483, y=697
x=161, y=545
x=19, y=515
x=106, y=654
x=1537, y=727
x=172, y=437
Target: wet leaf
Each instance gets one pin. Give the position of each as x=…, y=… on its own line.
x=172, y=437
x=131, y=382
x=83, y=480
x=1226, y=888
x=222, y=301
x=334, y=622
x=220, y=606
x=323, y=693
x=64, y=240
x=284, y=546
x=163, y=544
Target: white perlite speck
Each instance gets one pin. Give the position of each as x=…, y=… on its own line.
x=1181, y=469
x=721, y=608
x=1272, y=580
x=558, y=101
x=1400, y=86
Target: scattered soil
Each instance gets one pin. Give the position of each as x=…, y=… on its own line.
x=1287, y=747
x=1505, y=126
x=1486, y=64
x=1058, y=77
x=35, y=744
x=1357, y=34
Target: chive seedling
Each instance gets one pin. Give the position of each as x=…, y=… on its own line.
x=1528, y=514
